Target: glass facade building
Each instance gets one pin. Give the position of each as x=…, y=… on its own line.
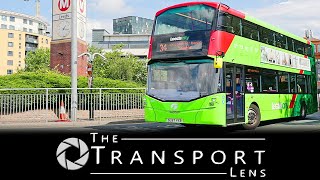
x=132, y=25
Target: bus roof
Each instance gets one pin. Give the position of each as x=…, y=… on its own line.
x=276, y=29
x=211, y=4
x=239, y=14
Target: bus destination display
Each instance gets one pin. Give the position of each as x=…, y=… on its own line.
x=179, y=46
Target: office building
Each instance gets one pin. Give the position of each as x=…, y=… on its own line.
x=132, y=25
x=136, y=44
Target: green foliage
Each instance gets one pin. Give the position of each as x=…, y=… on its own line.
x=119, y=65
x=38, y=60
x=52, y=79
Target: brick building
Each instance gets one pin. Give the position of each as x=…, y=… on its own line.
x=316, y=42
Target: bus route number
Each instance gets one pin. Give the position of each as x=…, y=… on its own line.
x=163, y=47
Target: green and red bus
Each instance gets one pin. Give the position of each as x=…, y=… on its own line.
x=210, y=64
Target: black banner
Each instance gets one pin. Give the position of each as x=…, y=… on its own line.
x=225, y=154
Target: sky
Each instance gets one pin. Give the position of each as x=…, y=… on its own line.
x=294, y=16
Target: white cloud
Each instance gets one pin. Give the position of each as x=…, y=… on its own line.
x=294, y=16
x=110, y=7
x=97, y=24
x=105, y=11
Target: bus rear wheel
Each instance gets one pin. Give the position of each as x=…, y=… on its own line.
x=254, y=117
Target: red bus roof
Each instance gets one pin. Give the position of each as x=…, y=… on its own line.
x=212, y=4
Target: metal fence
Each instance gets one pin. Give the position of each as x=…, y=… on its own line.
x=46, y=105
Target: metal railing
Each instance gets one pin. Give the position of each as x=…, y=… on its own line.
x=45, y=104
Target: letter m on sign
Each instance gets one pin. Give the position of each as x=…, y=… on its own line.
x=81, y=5
x=64, y=5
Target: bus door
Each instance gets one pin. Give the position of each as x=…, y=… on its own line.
x=234, y=76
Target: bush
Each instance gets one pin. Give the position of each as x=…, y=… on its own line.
x=52, y=79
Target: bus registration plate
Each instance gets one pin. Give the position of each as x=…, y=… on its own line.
x=170, y=120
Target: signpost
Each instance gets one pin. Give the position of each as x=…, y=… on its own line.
x=69, y=32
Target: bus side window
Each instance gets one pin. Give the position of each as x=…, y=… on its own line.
x=224, y=22
x=293, y=86
x=301, y=83
x=252, y=80
x=269, y=81
x=236, y=25
x=250, y=31
x=283, y=82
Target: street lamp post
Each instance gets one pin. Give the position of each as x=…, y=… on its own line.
x=90, y=78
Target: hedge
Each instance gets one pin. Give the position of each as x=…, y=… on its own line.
x=52, y=79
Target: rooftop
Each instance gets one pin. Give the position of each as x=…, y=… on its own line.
x=11, y=13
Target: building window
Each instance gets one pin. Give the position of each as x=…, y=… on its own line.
x=25, y=21
x=19, y=47
x=30, y=31
x=12, y=27
x=4, y=26
x=4, y=18
x=12, y=19
x=20, y=37
x=10, y=44
x=30, y=22
x=10, y=35
x=10, y=62
x=9, y=71
x=318, y=47
x=25, y=29
x=47, y=42
x=10, y=53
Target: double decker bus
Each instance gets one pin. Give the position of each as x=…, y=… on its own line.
x=210, y=64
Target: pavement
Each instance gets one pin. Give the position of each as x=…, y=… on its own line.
x=312, y=121
x=75, y=124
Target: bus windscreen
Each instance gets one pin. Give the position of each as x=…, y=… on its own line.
x=190, y=18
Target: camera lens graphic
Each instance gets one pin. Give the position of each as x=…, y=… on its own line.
x=83, y=153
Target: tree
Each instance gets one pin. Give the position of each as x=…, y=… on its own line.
x=119, y=65
x=38, y=60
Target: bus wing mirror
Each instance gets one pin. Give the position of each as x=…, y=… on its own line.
x=218, y=63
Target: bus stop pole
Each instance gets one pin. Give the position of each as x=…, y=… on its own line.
x=74, y=64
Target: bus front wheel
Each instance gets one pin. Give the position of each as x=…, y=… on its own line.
x=254, y=117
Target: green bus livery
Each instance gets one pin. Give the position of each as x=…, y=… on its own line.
x=212, y=65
